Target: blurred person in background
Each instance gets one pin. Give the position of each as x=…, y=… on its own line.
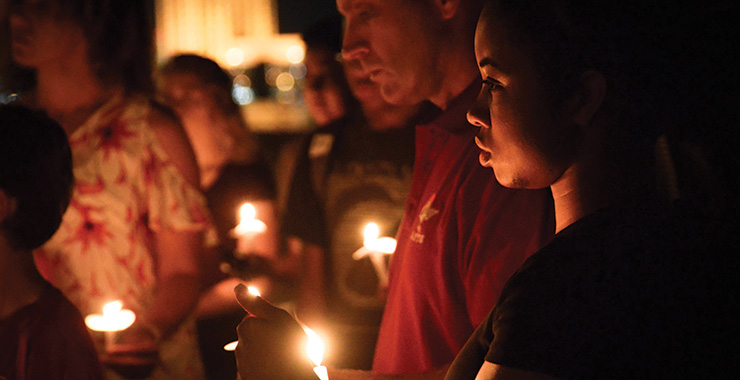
x=353, y=170
x=133, y=231
x=38, y=325
x=232, y=172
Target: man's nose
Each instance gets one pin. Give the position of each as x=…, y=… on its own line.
x=353, y=45
x=353, y=52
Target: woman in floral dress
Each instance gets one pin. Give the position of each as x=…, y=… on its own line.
x=133, y=230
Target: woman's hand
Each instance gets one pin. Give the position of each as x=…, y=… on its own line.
x=271, y=343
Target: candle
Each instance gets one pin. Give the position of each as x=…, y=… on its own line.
x=315, y=348
x=376, y=248
x=249, y=227
x=113, y=319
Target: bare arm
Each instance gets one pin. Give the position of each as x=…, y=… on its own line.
x=177, y=252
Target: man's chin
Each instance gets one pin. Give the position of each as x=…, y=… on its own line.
x=395, y=95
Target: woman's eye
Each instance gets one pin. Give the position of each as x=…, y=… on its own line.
x=492, y=84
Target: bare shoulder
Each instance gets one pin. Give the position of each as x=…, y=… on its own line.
x=491, y=371
x=171, y=136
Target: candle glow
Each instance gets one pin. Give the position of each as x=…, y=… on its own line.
x=376, y=248
x=315, y=348
x=248, y=222
x=114, y=318
x=247, y=229
x=254, y=291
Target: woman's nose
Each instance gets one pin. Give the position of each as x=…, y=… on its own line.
x=479, y=113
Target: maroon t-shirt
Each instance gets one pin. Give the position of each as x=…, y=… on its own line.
x=47, y=340
x=463, y=235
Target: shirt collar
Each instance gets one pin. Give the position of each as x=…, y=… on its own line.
x=449, y=119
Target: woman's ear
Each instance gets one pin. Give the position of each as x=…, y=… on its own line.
x=7, y=206
x=588, y=97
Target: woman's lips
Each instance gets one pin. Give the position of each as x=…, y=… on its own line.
x=485, y=156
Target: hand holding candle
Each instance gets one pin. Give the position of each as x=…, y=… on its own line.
x=269, y=342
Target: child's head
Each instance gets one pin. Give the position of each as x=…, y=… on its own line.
x=35, y=176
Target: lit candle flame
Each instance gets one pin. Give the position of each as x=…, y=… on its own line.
x=376, y=248
x=231, y=346
x=371, y=232
x=247, y=212
x=315, y=346
x=112, y=308
x=384, y=245
x=254, y=291
x=248, y=222
x=114, y=318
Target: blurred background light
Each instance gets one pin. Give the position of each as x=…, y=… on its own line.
x=234, y=56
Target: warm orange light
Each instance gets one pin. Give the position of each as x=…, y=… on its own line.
x=114, y=318
x=254, y=291
x=231, y=346
x=315, y=348
x=248, y=222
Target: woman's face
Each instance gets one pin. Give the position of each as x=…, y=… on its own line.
x=39, y=36
x=523, y=136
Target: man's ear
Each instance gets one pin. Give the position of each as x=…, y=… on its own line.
x=588, y=97
x=447, y=8
x=7, y=206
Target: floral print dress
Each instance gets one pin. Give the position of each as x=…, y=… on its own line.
x=126, y=188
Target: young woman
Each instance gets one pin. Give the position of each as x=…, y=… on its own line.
x=133, y=229
x=574, y=98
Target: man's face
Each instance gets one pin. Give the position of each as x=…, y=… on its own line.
x=394, y=41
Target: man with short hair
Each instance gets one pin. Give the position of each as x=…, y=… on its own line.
x=463, y=234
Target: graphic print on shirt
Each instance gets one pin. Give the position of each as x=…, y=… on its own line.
x=359, y=193
x=427, y=212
